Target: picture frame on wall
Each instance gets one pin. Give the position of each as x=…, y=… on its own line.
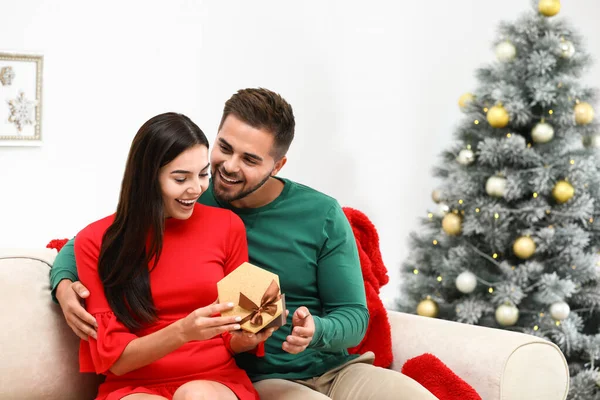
x=20, y=99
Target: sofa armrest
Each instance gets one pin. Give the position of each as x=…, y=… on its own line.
x=498, y=364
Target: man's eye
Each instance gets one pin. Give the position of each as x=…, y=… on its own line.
x=225, y=149
x=250, y=161
x=204, y=175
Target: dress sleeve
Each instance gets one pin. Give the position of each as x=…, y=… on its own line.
x=237, y=253
x=113, y=337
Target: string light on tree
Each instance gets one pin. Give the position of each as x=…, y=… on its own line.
x=584, y=113
x=560, y=310
x=466, y=282
x=524, y=247
x=452, y=224
x=464, y=100
x=465, y=157
x=549, y=8
x=543, y=132
x=428, y=308
x=563, y=191
x=505, y=51
x=496, y=186
x=507, y=315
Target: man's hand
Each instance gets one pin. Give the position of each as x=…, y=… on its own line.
x=70, y=296
x=303, y=330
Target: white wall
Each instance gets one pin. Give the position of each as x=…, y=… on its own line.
x=373, y=84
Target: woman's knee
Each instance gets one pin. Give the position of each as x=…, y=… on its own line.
x=203, y=390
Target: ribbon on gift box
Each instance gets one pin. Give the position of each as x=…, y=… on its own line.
x=268, y=304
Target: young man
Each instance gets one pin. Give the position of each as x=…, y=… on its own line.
x=301, y=235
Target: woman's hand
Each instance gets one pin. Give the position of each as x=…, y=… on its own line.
x=202, y=324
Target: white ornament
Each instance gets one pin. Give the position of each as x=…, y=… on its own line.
x=496, y=186
x=442, y=210
x=543, y=132
x=507, y=315
x=594, y=141
x=567, y=49
x=465, y=157
x=22, y=111
x=466, y=282
x=505, y=51
x=560, y=310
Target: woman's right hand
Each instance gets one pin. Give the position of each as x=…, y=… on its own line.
x=202, y=324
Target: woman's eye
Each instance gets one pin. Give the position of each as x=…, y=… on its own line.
x=204, y=175
x=179, y=180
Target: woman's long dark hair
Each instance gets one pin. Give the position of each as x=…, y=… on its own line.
x=135, y=237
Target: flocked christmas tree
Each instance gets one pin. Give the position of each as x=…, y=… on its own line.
x=515, y=237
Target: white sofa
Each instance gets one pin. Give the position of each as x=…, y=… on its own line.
x=38, y=351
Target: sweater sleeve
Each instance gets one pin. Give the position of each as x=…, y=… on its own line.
x=341, y=287
x=63, y=267
x=98, y=355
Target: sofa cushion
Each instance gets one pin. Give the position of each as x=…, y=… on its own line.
x=39, y=351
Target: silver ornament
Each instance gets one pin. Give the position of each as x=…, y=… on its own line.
x=466, y=282
x=560, y=310
x=442, y=210
x=543, y=132
x=507, y=315
x=594, y=141
x=567, y=49
x=505, y=51
x=496, y=186
x=465, y=157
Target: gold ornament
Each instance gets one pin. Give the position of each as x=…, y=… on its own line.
x=465, y=99
x=584, y=113
x=549, y=8
x=563, y=191
x=451, y=224
x=524, y=247
x=497, y=117
x=428, y=308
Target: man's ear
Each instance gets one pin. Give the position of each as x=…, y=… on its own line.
x=278, y=165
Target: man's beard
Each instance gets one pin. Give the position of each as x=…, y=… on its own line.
x=223, y=197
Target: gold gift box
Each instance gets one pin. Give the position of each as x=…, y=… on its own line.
x=256, y=295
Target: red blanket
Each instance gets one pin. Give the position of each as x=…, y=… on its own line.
x=378, y=338
x=426, y=369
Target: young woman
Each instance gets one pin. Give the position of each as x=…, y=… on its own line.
x=151, y=270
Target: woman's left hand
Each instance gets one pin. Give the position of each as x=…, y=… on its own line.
x=242, y=341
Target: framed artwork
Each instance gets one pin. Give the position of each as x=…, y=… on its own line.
x=20, y=99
